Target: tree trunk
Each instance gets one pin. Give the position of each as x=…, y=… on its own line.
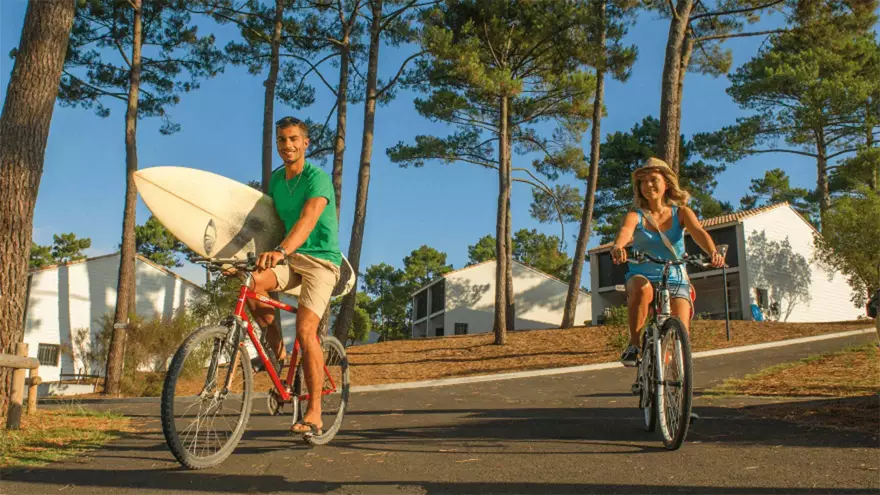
x=501, y=234
x=874, y=180
x=269, y=114
x=670, y=104
x=125, y=288
x=580, y=250
x=346, y=312
x=511, y=300
x=687, y=51
x=822, y=180
x=269, y=100
x=24, y=130
x=341, y=116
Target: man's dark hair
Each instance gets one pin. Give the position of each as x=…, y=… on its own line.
x=292, y=122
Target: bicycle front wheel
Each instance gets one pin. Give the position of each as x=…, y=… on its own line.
x=334, y=393
x=206, y=400
x=677, y=388
x=647, y=400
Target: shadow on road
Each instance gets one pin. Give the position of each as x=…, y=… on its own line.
x=512, y=432
x=176, y=481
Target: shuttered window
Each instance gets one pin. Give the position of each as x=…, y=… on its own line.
x=48, y=354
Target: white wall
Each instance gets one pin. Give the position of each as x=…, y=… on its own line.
x=470, y=298
x=539, y=299
x=829, y=293
x=76, y=296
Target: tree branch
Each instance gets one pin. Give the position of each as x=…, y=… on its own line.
x=489, y=43
x=118, y=96
x=842, y=152
x=393, y=15
x=314, y=68
x=736, y=11
x=775, y=150
x=235, y=21
x=738, y=35
x=673, y=10
x=327, y=120
x=399, y=73
x=357, y=72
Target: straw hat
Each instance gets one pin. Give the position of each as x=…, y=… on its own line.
x=653, y=164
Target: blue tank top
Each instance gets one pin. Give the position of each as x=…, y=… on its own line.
x=650, y=242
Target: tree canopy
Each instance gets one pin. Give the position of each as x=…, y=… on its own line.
x=530, y=248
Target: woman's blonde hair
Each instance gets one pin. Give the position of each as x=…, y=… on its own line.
x=675, y=195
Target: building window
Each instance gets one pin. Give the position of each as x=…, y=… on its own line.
x=762, y=298
x=48, y=354
x=438, y=332
x=421, y=304
x=461, y=329
x=438, y=297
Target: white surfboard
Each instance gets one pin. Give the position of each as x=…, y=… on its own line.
x=215, y=216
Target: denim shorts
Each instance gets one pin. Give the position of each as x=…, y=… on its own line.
x=677, y=290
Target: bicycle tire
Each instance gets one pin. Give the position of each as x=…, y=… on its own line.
x=646, y=374
x=333, y=349
x=172, y=437
x=674, y=422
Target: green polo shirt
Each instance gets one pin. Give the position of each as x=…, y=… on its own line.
x=290, y=196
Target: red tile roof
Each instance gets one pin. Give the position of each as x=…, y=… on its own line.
x=719, y=221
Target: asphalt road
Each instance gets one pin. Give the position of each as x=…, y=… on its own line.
x=573, y=433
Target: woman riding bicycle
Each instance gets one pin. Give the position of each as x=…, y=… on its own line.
x=656, y=226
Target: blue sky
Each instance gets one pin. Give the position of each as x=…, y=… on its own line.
x=447, y=207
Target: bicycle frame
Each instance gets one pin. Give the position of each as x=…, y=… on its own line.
x=283, y=387
x=662, y=312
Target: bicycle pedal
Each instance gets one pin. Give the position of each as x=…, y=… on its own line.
x=636, y=389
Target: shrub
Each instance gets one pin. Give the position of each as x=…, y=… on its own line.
x=617, y=323
x=149, y=346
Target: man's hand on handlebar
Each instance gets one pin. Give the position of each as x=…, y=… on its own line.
x=269, y=259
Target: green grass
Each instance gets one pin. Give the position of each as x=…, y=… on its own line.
x=56, y=434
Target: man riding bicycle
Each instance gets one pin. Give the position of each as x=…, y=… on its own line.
x=656, y=226
x=306, y=203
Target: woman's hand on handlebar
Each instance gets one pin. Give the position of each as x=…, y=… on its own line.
x=618, y=254
x=716, y=260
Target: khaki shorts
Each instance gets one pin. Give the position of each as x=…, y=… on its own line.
x=315, y=278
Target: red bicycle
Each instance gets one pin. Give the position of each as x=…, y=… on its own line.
x=208, y=391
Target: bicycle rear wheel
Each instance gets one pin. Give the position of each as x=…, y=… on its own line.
x=647, y=399
x=674, y=404
x=334, y=395
x=206, y=399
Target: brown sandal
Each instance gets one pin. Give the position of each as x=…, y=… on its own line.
x=313, y=429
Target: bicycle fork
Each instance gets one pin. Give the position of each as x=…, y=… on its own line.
x=649, y=374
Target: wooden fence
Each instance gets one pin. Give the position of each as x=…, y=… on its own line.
x=20, y=362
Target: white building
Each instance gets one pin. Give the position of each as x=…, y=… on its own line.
x=772, y=269
x=463, y=301
x=67, y=297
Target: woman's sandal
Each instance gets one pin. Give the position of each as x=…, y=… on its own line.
x=313, y=429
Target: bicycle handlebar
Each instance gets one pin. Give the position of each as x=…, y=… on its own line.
x=249, y=264
x=697, y=260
